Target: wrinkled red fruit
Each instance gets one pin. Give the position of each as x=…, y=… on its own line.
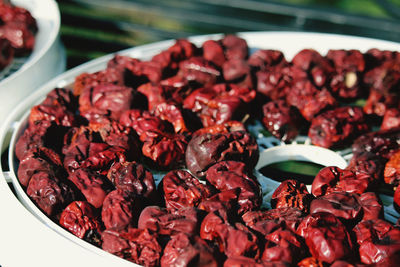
x=281, y=120
x=183, y=250
x=337, y=127
x=136, y=245
x=181, y=189
x=170, y=222
x=391, y=173
x=227, y=175
x=118, y=210
x=326, y=237
x=208, y=149
x=79, y=218
x=291, y=193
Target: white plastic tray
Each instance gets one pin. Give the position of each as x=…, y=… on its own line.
x=46, y=61
x=56, y=239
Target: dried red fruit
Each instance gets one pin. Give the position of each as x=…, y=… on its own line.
x=341, y=204
x=326, y=237
x=49, y=193
x=184, y=250
x=227, y=175
x=136, y=245
x=208, y=149
x=170, y=222
x=371, y=206
x=215, y=227
x=181, y=189
x=291, y=193
x=118, y=210
x=79, y=218
x=392, y=170
x=93, y=186
x=337, y=127
x=282, y=120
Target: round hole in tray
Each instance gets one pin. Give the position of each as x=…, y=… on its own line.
x=312, y=156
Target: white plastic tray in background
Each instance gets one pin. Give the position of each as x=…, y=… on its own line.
x=55, y=242
x=46, y=61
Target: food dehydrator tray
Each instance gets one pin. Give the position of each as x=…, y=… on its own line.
x=271, y=149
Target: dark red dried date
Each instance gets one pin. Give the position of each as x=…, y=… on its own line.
x=79, y=218
x=183, y=250
x=371, y=206
x=331, y=179
x=93, y=186
x=283, y=245
x=49, y=193
x=341, y=204
x=291, y=193
x=136, y=245
x=170, y=222
x=208, y=149
x=225, y=200
x=215, y=227
x=391, y=119
x=241, y=261
x=281, y=120
x=326, y=237
x=181, y=189
x=227, y=175
x=337, y=127
x=118, y=210
x=133, y=178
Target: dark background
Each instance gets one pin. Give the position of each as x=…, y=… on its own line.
x=92, y=28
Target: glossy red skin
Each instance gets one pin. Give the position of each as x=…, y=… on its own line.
x=347, y=80
x=367, y=163
x=114, y=134
x=341, y=204
x=183, y=250
x=281, y=120
x=381, y=143
x=337, y=127
x=93, y=186
x=309, y=100
x=379, y=102
x=107, y=98
x=310, y=262
x=49, y=193
x=391, y=173
x=79, y=218
x=181, y=189
x=215, y=227
x=227, y=175
x=391, y=119
x=57, y=113
x=205, y=150
x=165, y=150
x=169, y=59
x=333, y=179
x=135, y=245
x=225, y=200
x=291, y=193
x=133, y=178
x=371, y=206
x=266, y=222
x=118, y=210
x=199, y=71
x=326, y=237
x=219, y=103
x=171, y=112
x=36, y=160
x=263, y=59
x=238, y=71
x=283, y=245
x=241, y=261
x=275, y=81
x=170, y=222
x=379, y=242
x=227, y=127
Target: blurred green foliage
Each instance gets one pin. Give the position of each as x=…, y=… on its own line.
x=359, y=7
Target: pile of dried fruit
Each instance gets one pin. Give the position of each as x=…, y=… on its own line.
x=17, y=32
x=85, y=157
